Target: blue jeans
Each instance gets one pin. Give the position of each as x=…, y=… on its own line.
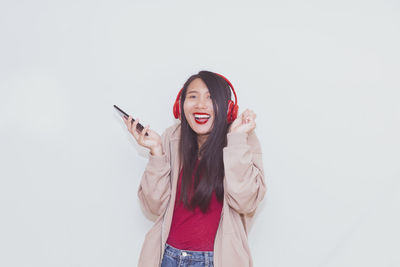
x=174, y=257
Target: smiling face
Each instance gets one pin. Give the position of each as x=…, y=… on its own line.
x=198, y=108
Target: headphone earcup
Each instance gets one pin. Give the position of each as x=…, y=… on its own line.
x=232, y=111
x=235, y=112
x=176, y=109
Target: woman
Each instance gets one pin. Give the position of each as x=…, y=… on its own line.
x=203, y=181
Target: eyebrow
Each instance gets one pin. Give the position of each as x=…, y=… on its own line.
x=194, y=91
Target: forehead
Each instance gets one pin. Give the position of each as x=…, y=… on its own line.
x=197, y=85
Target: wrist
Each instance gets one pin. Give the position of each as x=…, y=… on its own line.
x=235, y=138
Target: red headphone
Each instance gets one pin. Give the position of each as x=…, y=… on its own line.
x=232, y=106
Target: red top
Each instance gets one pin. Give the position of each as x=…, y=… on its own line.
x=194, y=230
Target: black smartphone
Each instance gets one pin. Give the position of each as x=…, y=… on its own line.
x=139, y=127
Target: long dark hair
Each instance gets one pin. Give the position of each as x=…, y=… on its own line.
x=209, y=173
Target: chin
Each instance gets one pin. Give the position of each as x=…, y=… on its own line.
x=203, y=133
x=200, y=129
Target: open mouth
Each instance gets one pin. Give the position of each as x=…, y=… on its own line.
x=201, y=118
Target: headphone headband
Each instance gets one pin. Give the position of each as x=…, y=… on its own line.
x=230, y=84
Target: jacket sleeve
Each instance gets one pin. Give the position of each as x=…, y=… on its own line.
x=155, y=188
x=244, y=175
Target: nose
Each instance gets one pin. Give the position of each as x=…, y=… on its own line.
x=202, y=102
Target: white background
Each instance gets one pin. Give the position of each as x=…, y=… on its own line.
x=322, y=76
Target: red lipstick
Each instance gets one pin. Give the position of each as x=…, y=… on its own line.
x=201, y=118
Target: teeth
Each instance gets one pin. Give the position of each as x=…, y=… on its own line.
x=198, y=116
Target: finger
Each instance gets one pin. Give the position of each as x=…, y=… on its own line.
x=253, y=114
x=251, y=125
x=142, y=134
x=244, y=118
x=129, y=122
x=244, y=115
x=249, y=113
x=125, y=120
x=133, y=128
x=250, y=119
x=247, y=116
x=145, y=130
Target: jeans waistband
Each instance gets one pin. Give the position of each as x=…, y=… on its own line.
x=206, y=256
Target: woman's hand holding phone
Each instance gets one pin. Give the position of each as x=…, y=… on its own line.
x=151, y=141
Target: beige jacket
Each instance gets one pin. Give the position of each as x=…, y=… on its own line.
x=244, y=188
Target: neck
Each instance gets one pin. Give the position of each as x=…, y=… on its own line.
x=201, y=139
